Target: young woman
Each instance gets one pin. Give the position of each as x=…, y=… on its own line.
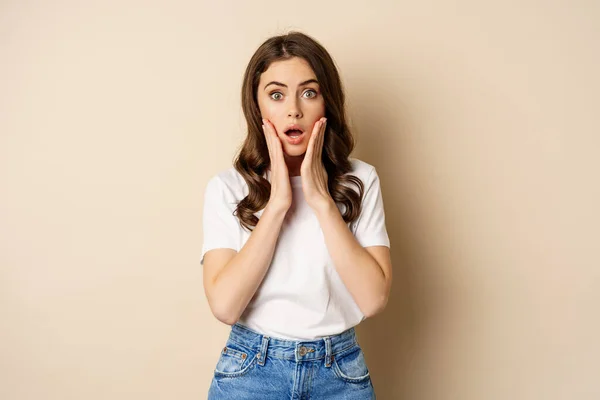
x=296, y=251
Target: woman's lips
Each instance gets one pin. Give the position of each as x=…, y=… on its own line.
x=295, y=137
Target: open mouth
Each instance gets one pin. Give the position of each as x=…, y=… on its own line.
x=294, y=136
x=293, y=132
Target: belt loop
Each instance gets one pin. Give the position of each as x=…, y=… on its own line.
x=262, y=355
x=328, y=356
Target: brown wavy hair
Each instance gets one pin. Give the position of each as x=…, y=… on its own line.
x=253, y=158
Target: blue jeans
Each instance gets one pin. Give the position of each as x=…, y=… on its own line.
x=255, y=366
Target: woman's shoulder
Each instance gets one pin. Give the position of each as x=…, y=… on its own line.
x=361, y=169
x=230, y=181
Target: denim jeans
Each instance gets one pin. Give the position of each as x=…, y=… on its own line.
x=256, y=366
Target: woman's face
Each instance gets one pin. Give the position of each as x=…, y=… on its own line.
x=288, y=93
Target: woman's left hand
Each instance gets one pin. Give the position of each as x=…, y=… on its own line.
x=312, y=170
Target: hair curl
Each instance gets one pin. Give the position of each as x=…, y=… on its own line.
x=253, y=158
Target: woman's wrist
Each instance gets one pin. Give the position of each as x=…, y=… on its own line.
x=276, y=209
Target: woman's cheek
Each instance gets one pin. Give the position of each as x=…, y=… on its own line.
x=266, y=109
x=271, y=112
x=318, y=109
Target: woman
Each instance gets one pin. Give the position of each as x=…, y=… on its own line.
x=296, y=251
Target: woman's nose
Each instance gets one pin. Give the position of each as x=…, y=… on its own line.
x=294, y=111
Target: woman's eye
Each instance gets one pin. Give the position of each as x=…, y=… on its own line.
x=276, y=93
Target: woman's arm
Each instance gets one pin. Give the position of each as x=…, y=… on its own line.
x=232, y=278
x=366, y=271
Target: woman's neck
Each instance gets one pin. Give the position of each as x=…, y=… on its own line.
x=293, y=164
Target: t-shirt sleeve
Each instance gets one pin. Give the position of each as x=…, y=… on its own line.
x=220, y=227
x=370, y=227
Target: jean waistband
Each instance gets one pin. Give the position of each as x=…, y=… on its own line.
x=298, y=350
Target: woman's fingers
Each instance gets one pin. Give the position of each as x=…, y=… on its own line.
x=276, y=148
x=313, y=142
x=270, y=142
x=281, y=192
x=277, y=143
x=321, y=138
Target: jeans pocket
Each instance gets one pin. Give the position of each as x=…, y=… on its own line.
x=235, y=360
x=350, y=366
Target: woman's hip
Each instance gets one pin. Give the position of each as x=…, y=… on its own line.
x=255, y=366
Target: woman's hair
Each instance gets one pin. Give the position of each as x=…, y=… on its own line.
x=253, y=157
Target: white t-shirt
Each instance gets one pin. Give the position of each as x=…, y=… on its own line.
x=301, y=297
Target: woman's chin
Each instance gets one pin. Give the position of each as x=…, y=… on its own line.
x=294, y=152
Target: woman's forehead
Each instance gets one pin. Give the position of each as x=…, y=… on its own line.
x=291, y=71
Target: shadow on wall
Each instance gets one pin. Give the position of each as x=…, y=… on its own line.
x=383, y=138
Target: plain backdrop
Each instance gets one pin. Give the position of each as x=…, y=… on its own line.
x=481, y=117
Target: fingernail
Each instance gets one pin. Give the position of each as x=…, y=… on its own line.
x=264, y=121
x=263, y=127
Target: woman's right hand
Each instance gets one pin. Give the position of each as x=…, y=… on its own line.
x=281, y=189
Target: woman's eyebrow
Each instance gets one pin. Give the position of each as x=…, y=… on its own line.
x=283, y=85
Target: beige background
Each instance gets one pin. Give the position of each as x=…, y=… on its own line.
x=482, y=120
